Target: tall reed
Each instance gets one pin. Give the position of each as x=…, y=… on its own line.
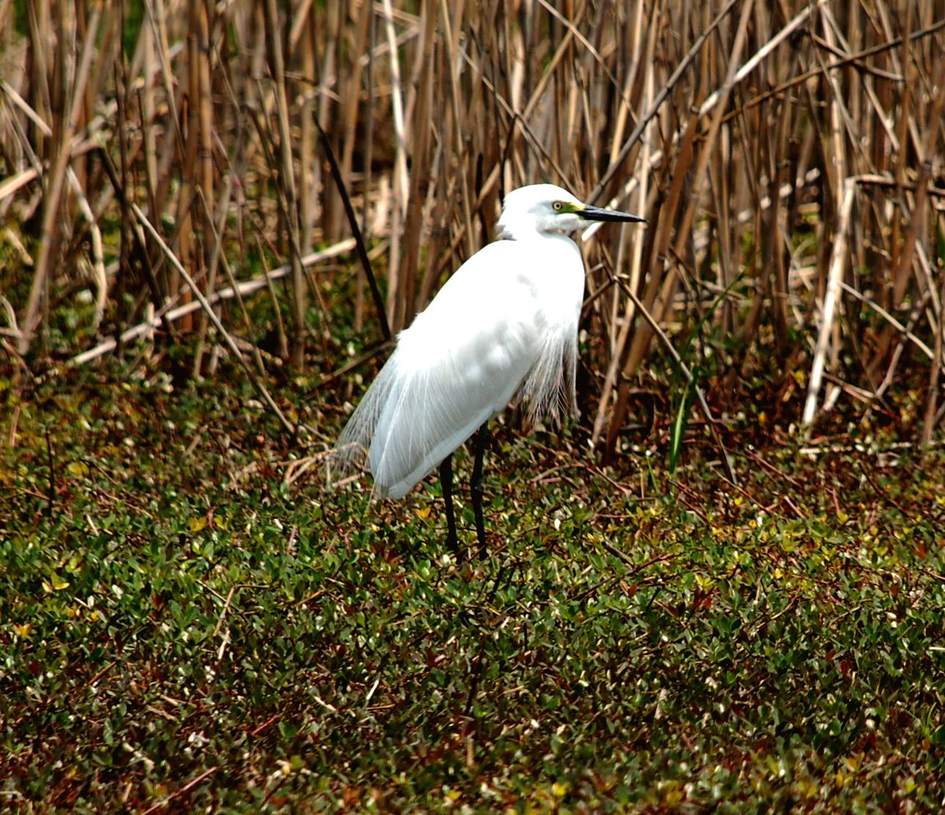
x=788, y=158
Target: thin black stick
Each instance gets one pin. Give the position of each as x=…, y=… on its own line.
x=356, y=232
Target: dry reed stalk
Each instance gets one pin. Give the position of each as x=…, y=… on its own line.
x=631, y=353
x=326, y=31
x=453, y=66
x=619, y=341
x=40, y=34
x=53, y=195
x=8, y=188
x=419, y=179
x=351, y=95
x=831, y=297
x=208, y=309
x=185, y=237
x=838, y=172
x=436, y=109
x=287, y=183
x=308, y=175
x=283, y=338
x=216, y=257
x=148, y=109
x=173, y=147
x=367, y=136
x=937, y=94
x=933, y=415
x=400, y=186
x=203, y=103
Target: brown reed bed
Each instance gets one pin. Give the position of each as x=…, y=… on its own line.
x=787, y=156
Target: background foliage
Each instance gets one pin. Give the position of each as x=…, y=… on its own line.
x=190, y=621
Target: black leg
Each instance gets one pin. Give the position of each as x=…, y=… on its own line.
x=481, y=440
x=446, y=480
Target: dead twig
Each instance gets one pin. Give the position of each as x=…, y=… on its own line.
x=211, y=314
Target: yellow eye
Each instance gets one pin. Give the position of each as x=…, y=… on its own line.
x=556, y=206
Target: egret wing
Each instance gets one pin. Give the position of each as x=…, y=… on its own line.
x=461, y=361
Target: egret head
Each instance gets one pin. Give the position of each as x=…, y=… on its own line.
x=545, y=209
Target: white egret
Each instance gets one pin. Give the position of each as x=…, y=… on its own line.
x=505, y=324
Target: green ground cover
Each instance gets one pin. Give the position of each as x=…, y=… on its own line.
x=190, y=619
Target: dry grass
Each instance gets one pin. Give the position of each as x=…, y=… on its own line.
x=787, y=156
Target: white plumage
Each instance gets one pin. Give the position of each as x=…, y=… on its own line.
x=505, y=323
x=504, y=319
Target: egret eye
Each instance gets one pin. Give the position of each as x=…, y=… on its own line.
x=556, y=206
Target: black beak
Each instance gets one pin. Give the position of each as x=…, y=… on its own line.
x=598, y=214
